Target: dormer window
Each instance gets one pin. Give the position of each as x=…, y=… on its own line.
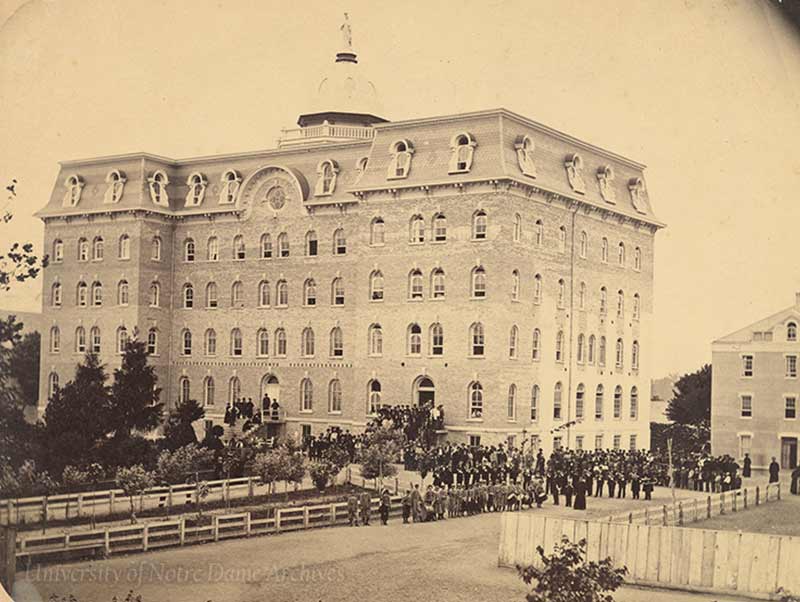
x=158, y=188
x=116, y=183
x=361, y=167
x=791, y=331
x=74, y=186
x=326, y=182
x=197, y=189
x=605, y=180
x=230, y=181
x=574, y=166
x=525, y=149
x=462, y=147
x=637, y=190
x=400, y=164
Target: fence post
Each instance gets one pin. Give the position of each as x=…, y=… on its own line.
x=80, y=504
x=758, y=495
x=247, y=527
x=111, y=502
x=145, y=537
x=647, y=516
x=680, y=513
x=363, y=483
x=250, y=487
x=278, y=520
x=745, y=498
x=722, y=503
x=664, y=515
x=107, y=542
x=396, y=486
x=216, y=528
x=66, y=540
x=733, y=501
x=708, y=509
x=182, y=531
x=9, y=508
x=333, y=514
x=779, y=491
x=169, y=498
x=305, y=517
x=630, y=518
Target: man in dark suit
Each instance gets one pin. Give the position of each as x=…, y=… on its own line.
x=774, y=471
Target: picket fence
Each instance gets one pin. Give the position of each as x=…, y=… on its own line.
x=693, y=559
x=144, y=537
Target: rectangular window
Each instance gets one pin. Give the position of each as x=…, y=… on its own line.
x=745, y=444
x=579, y=442
x=306, y=431
x=556, y=443
x=617, y=441
x=632, y=443
x=790, y=408
x=747, y=365
x=747, y=406
x=474, y=440
x=791, y=366
x=598, y=441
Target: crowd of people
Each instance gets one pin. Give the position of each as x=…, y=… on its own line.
x=701, y=472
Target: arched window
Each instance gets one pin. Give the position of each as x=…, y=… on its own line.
x=634, y=414
x=604, y=250
x=535, y=403
x=58, y=250
x=326, y=180
x=513, y=342
x=339, y=242
x=479, y=225
x=236, y=342
x=635, y=355
x=186, y=339
x=211, y=342
x=637, y=306
x=414, y=339
x=617, y=402
x=620, y=304
x=83, y=249
x=283, y=245
x=234, y=389
x=97, y=294
x=515, y=285
x=621, y=254
x=376, y=286
x=539, y=233
x=212, y=249
x=620, y=359
x=562, y=239
x=437, y=339
x=197, y=189
x=155, y=249
x=462, y=147
x=97, y=249
x=437, y=283
x=306, y=395
x=266, y=246
x=155, y=294
x=239, y=247
x=123, y=292
x=185, y=389
x=122, y=339
x=562, y=294
x=373, y=397
x=55, y=294
x=557, y=393
x=94, y=338
x=475, y=401
x=52, y=384
x=230, y=181
x=512, y=402
x=525, y=155
x=477, y=340
x=560, y=346
x=377, y=232
x=601, y=351
x=580, y=395
x=537, y=289
x=361, y=167
x=262, y=341
x=282, y=293
x=263, y=293
x=124, y=247
x=74, y=186
x=82, y=295
x=517, y=227
x=582, y=296
x=791, y=331
x=375, y=339
x=583, y=248
x=152, y=342
x=337, y=342
x=581, y=353
x=307, y=342
x=416, y=229
x=116, y=184
x=603, y=300
x=212, y=300
x=335, y=397
x=312, y=244
x=337, y=291
x=637, y=259
x=400, y=163
x=590, y=350
x=208, y=391
x=80, y=339
x=188, y=296
x=598, y=403
x=55, y=340
x=439, y=227
x=280, y=342
x=415, y=284
x=310, y=292
x=478, y=283
x=158, y=188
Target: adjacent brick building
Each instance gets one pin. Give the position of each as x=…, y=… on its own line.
x=492, y=264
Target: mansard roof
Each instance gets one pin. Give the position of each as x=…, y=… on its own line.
x=769, y=324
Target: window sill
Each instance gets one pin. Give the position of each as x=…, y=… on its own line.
x=306, y=411
x=442, y=298
x=478, y=239
x=376, y=300
x=477, y=298
x=438, y=242
x=334, y=413
x=336, y=357
x=746, y=417
x=474, y=419
x=476, y=357
x=434, y=356
x=415, y=299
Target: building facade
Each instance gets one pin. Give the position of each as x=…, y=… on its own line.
x=755, y=390
x=491, y=264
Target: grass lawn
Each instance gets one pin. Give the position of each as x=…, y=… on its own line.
x=774, y=518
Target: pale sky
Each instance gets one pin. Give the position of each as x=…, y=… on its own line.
x=705, y=92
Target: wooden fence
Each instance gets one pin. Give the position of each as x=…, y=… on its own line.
x=726, y=562
x=150, y=536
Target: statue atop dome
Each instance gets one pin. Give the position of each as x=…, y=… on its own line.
x=347, y=33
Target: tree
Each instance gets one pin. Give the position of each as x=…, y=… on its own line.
x=691, y=403
x=321, y=473
x=687, y=439
x=134, y=404
x=134, y=481
x=566, y=576
x=178, y=430
x=271, y=467
x=175, y=466
x=24, y=362
x=71, y=478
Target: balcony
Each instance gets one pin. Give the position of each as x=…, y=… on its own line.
x=322, y=134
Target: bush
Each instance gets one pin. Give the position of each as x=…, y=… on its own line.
x=134, y=481
x=321, y=473
x=176, y=466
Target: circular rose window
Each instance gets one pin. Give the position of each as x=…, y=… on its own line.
x=276, y=197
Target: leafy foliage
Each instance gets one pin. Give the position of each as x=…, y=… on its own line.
x=24, y=365
x=178, y=430
x=133, y=404
x=17, y=436
x=175, y=466
x=691, y=403
x=566, y=576
x=687, y=439
x=321, y=473
x=379, y=452
x=134, y=481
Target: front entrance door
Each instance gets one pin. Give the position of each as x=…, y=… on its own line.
x=272, y=389
x=788, y=452
x=425, y=391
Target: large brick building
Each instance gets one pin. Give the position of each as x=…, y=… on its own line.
x=754, y=390
x=485, y=261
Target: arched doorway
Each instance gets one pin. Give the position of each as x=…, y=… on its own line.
x=424, y=391
x=271, y=388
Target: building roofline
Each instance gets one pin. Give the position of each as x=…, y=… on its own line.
x=774, y=316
